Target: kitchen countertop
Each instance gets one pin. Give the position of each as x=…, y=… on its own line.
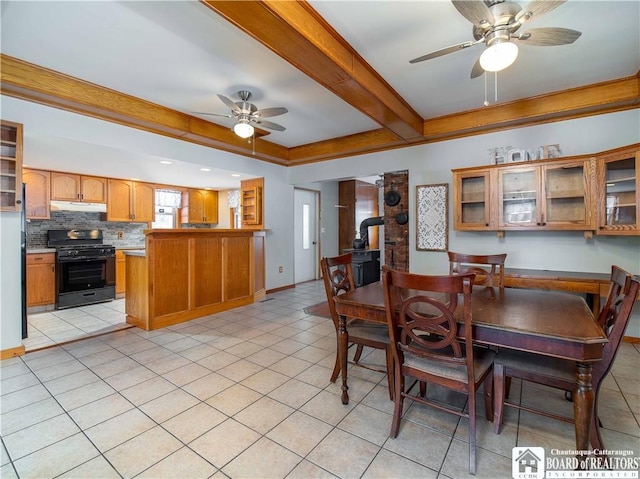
x=135, y=252
x=40, y=250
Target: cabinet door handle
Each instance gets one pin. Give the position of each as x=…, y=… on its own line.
x=38, y=259
x=53, y=268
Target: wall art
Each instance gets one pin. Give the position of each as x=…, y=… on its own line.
x=432, y=217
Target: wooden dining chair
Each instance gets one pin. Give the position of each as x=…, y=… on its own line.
x=489, y=269
x=423, y=326
x=561, y=374
x=337, y=273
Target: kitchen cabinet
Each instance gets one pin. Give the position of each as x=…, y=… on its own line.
x=472, y=197
x=121, y=275
x=619, y=192
x=10, y=166
x=251, y=203
x=200, y=206
x=130, y=201
x=70, y=187
x=193, y=272
x=36, y=194
x=552, y=194
x=41, y=279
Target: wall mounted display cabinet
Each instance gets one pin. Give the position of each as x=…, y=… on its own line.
x=586, y=193
x=10, y=166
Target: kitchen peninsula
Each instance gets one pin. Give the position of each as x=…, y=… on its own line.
x=184, y=274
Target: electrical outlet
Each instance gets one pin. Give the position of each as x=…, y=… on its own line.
x=280, y=269
x=120, y=234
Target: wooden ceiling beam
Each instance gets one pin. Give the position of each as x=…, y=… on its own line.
x=587, y=100
x=298, y=34
x=597, y=99
x=30, y=82
x=26, y=81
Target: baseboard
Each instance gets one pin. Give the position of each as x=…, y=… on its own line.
x=281, y=288
x=630, y=339
x=12, y=353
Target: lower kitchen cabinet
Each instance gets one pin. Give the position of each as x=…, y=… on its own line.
x=41, y=279
x=121, y=275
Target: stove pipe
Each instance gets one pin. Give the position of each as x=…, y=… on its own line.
x=363, y=241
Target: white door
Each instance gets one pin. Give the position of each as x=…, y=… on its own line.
x=305, y=227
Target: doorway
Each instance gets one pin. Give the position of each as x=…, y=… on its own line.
x=305, y=228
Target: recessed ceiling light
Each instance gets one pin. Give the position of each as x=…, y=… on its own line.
x=235, y=175
x=205, y=169
x=166, y=162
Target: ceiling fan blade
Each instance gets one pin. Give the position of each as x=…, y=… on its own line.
x=229, y=102
x=476, y=12
x=536, y=9
x=444, y=51
x=548, y=37
x=269, y=124
x=477, y=70
x=267, y=112
x=211, y=114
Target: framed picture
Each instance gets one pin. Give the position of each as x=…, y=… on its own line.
x=432, y=217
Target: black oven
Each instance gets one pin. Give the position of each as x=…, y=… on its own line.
x=85, y=267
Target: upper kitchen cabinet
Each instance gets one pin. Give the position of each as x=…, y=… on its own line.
x=37, y=205
x=70, y=187
x=200, y=206
x=619, y=187
x=10, y=166
x=472, y=197
x=554, y=195
x=130, y=201
x=251, y=199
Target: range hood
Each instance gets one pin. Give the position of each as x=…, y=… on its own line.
x=78, y=206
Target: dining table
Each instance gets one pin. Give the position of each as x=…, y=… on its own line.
x=548, y=323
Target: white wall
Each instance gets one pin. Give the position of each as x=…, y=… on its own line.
x=10, y=281
x=432, y=163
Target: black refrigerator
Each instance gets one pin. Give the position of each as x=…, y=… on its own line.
x=23, y=260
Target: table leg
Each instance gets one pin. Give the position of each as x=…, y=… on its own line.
x=583, y=405
x=343, y=351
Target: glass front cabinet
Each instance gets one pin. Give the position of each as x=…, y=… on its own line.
x=619, y=200
x=557, y=194
x=554, y=195
x=472, y=195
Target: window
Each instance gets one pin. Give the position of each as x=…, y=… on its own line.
x=305, y=226
x=168, y=204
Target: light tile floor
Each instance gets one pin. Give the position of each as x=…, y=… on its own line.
x=63, y=325
x=246, y=394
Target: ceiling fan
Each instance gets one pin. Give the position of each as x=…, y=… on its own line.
x=247, y=114
x=495, y=24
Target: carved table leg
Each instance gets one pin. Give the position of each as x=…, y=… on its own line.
x=583, y=404
x=343, y=351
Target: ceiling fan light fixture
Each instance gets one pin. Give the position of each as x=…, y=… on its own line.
x=243, y=129
x=498, y=56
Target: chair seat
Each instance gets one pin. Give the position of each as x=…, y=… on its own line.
x=483, y=359
x=558, y=369
x=368, y=330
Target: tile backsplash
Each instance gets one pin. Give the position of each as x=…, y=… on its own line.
x=132, y=235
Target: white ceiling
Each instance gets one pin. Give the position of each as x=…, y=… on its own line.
x=180, y=54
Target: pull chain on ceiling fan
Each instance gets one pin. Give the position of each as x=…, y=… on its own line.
x=247, y=115
x=495, y=24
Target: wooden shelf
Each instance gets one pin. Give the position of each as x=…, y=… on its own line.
x=10, y=166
